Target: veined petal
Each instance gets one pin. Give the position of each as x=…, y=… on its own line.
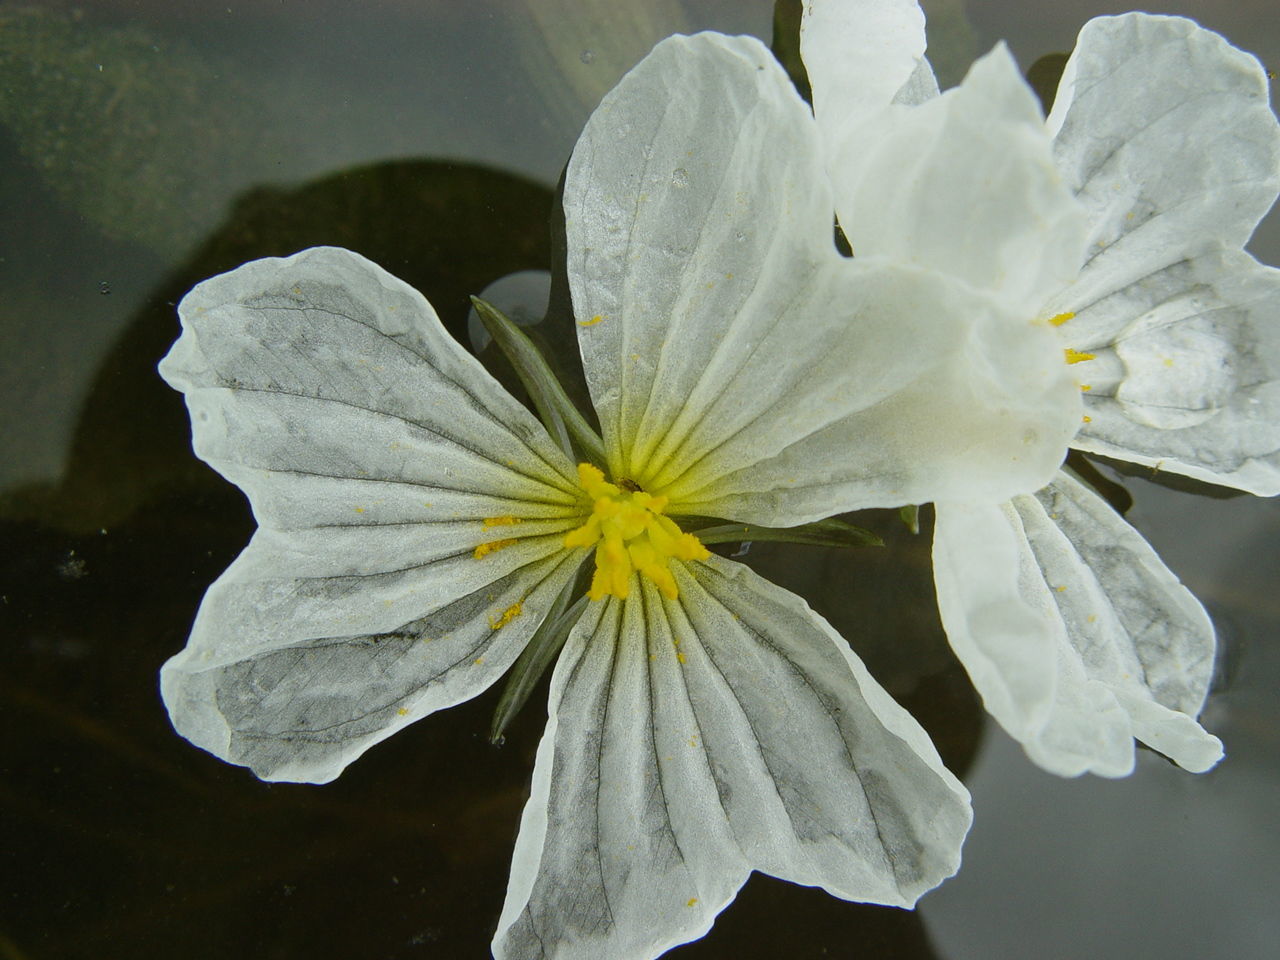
x=1164, y=132
x=373, y=451
x=696, y=209
x=1137, y=629
x=877, y=385
x=964, y=183
x=795, y=384
x=982, y=569
x=1190, y=384
x=295, y=676
x=859, y=55
x=355, y=378
x=694, y=740
x=1126, y=651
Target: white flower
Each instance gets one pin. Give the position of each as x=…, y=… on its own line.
x=1077, y=636
x=416, y=523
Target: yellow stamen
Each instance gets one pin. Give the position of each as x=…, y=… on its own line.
x=630, y=534
x=1061, y=318
x=1075, y=356
x=493, y=546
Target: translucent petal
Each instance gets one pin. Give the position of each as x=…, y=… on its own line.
x=296, y=675
x=982, y=568
x=922, y=85
x=741, y=366
x=1193, y=381
x=1078, y=638
x=372, y=450
x=878, y=385
x=695, y=207
x=1165, y=133
x=860, y=55
x=964, y=183
x=694, y=740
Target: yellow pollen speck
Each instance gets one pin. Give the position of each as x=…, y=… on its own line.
x=680, y=657
x=1075, y=356
x=493, y=546
x=1062, y=588
x=478, y=660
x=1168, y=361
x=402, y=712
x=692, y=901
x=1086, y=387
x=1086, y=419
x=359, y=509
x=500, y=522
x=1061, y=318
x=508, y=615
x=1092, y=618
x=592, y=322
x=630, y=535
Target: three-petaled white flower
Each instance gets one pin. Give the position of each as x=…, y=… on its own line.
x=416, y=523
x=1075, y=633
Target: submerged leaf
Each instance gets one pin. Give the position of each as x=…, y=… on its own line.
x=832, y=532
x=534, y=660
x=558, y=414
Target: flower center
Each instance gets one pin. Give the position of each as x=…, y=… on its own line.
x=632, y=535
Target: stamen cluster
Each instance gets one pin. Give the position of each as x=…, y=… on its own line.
x=632, y=535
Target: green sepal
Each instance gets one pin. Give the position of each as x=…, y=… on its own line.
x=535, y=658
x=832, y=532
x=567, y=426
x=910, y=516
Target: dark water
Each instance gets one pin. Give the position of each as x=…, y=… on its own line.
x=145, y=145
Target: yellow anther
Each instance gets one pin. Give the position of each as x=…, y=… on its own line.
x=630, y=534
x=1061, y=318
x=493, y=546
x=1075, y=356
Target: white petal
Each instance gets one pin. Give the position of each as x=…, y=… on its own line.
x=692, y=741
x=695, y=205
x=1137, y=629
x=1164, y=131
x=1123, y=649
x=325, y=364
x=859, y=55
x=982, y=568
x=295, y=676
x=739, y=365
x=877, y=385
x=1190, y=383
x=372, y=449
x=965, y=183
